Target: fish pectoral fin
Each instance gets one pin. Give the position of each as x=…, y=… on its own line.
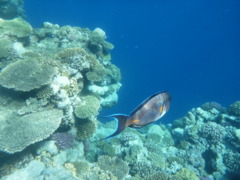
x=122, y=120
x=134, y=121
x=161, y=108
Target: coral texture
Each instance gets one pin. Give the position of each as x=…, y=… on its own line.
x=87, y=108
x=63, y=140
x=16, y=27
x=20, y=132
x=26, y=75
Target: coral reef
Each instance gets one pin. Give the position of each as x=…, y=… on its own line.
x=54, y=81
x=47, y=104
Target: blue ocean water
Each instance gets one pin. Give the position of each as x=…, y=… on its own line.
x=189, y=48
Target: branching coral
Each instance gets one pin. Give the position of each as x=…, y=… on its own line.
x=77, y=58
x=114, y=72
x=86, y=129
x=210, y=105
x=97, y=44
x=232, y=162
x=213, y=132
x=45, y=92
x=234, y=109
x=160, y=175
x=142, y=170
x=117, y=166
x=97, y=74
x=186, y=174
x=63, y=140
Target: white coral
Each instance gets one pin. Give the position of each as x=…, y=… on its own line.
x=58, y=82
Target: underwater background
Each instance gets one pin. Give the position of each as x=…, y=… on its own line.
x=189, y=48
x=65, y=64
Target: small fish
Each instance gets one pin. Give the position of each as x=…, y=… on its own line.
x=149, y=111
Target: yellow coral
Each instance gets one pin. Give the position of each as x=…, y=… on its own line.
x=71, y=168
x=186, y=174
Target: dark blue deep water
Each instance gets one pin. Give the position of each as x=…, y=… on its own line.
x=189, y=48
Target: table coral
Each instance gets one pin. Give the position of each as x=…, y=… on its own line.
x=17, y=28
x=6, y=49
x=22, y=131
x=26, y=75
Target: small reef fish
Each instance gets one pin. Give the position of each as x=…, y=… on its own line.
x=149, y=111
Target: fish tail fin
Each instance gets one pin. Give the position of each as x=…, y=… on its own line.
x=122, y=119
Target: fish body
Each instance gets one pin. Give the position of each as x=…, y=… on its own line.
x=149, y=111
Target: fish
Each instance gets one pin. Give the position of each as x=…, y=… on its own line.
x=149, y=111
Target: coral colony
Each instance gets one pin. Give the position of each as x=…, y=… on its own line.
x=55, y=80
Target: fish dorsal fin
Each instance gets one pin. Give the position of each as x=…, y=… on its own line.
x=145, y=101
x=122, y=121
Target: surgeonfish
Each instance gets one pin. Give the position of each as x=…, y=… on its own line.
x=149, y=111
